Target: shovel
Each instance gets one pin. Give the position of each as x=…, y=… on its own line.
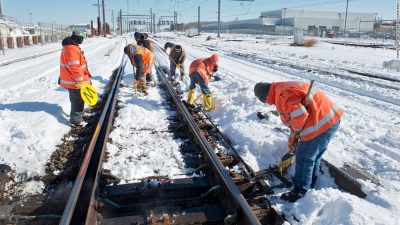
x=286, y=162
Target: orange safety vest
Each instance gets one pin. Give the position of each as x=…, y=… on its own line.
x=204, y=67
x=147, y=58
x=73, y=67
x=310, y=121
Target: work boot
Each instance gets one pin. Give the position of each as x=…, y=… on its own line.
x=142, y=84
x=190, y=97
x=208, y=102
x=293, y=194
x=135, y=85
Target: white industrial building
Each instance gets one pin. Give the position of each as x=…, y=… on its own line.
x=311, y=21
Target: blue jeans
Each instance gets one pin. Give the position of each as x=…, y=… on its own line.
x=308, y=158
x=196, y=78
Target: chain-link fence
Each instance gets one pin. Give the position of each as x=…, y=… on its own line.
x=17, y=35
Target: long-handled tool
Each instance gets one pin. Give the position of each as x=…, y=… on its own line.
x=288, y=158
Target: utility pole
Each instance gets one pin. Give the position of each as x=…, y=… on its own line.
x=175, y=22
x=219, y=13
x=219, y=18
x=120, y=20
x=104, y=19
x=1, y=9
x=154, y=23
x=345, y=22
x=198, y=20
x=98, y=8
x=151, y=20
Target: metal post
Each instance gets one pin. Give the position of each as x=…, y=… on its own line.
x=51, y=32
x=3, y=43
x=104, y=19
x=219, y=18
x=345, y=22
x=112, y=18
x=40, y=33
x=398, y=29
x=359, y=31
x=198, y=20
x=30, y=14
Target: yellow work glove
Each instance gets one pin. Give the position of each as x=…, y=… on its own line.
x=179, y=65
x=79, y=85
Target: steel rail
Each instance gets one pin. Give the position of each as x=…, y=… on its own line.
x=101, y=130
x=27, y=58
x=242, y=208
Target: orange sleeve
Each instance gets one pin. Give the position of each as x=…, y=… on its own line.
x=297, y=112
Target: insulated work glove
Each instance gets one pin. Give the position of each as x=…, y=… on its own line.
x=79, y=85
x=285, y=163
x=217, y=78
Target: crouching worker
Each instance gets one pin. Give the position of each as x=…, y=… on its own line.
x=177, y=57
x=73, y=74
x=313, y=120
x=143, y=60
x=200, y=71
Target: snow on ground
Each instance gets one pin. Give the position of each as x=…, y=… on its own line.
x=34, y=114
x=34, y=109
x=368, y=135
x=141, y=145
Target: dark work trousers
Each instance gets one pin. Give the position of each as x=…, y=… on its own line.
x=77, y=106
x=172, y=68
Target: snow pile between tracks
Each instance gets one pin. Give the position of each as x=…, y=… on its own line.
x=141, y=146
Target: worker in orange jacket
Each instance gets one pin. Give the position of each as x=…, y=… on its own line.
x=200, y=71
x=313, y=120
x=143, y=60
x=74, y=73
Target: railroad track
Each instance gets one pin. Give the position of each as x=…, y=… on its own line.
x=352, y=74
x=230, y=192
x=194, y=196
x=27, y=58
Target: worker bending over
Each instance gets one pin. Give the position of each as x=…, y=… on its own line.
x=313, y=120
x=200, y=71
x=177, y=57
x=143, y=60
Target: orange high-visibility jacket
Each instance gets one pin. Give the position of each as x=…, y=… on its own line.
x=147, y=58
x=204, y=67
x=73, y=67
x=310, y=121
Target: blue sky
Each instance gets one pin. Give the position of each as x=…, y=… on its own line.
x=82, y=11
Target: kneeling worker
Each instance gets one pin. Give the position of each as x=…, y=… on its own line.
x=313, y=120
x=143, y=60
x=200, y=71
